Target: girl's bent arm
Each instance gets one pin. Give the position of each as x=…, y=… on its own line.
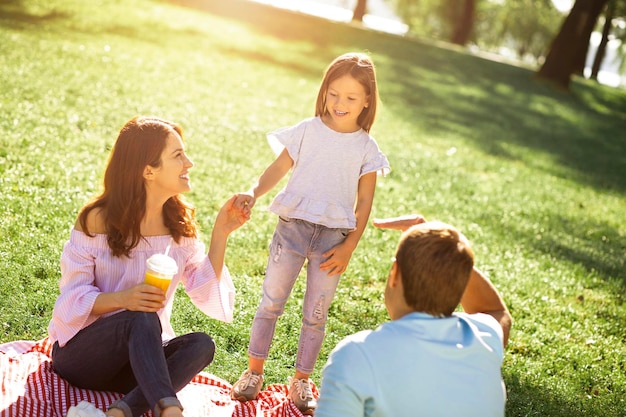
x=273, y=174
x=339, y=256
x=363, y=208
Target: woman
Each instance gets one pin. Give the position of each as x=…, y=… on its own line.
x=110, y=330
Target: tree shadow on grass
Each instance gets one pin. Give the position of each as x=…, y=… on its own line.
x=524, y=399
x=496, y=105
x=592, y=244
x=596, y=245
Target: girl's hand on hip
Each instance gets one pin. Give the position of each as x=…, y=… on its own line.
x=337, y=259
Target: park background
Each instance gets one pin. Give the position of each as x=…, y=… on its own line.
x=520, y=37
x=533, y=175
x=563, y=37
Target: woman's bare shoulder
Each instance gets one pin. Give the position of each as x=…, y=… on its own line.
x=95, y=222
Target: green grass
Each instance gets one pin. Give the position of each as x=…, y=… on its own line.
x=534, y=177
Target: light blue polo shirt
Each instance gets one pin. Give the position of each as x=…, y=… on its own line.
x=419, y=365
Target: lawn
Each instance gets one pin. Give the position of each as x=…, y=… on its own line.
x=536, y=178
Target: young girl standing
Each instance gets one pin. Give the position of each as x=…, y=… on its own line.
x=323, y=211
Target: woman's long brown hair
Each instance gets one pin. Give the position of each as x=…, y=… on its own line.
x=123, y=201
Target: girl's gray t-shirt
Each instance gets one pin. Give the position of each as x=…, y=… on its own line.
x=323, y=185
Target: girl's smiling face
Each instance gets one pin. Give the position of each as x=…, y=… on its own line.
x=345, y=100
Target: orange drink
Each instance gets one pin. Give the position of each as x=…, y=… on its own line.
x=160, y=269
x=158, y=281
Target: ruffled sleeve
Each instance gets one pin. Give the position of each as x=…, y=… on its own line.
x=214, y=296
x=375, y=160
x=288, y=137
x=78, y=293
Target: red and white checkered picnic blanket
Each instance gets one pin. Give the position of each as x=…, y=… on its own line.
x=31, y=389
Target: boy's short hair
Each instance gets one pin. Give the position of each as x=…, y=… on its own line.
x=435, y=261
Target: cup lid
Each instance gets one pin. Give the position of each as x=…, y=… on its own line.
x=163, y=264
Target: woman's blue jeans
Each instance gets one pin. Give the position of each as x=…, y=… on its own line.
x=124, y=353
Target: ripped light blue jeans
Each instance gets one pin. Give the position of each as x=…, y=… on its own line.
x=295, y=241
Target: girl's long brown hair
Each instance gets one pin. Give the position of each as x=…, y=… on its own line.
x=361, y=68
x=123, y=201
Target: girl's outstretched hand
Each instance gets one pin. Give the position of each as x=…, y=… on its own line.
x=399, y=223
x=245, y=202
x=231, y=216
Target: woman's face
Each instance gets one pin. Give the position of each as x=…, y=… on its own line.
x=172, y=176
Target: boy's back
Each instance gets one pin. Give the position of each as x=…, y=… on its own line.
x=418, y=365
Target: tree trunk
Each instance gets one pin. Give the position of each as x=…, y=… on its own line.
x=597, y=61
x=580, y=61
x=359, y=11
x=464, y=23
x=561, y=59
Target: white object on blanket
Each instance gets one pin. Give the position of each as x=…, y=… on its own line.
x=84, y=409
x=18, y=347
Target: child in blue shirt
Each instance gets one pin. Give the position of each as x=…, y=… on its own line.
x=428, y=360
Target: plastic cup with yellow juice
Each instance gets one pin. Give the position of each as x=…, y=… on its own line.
x=160, y=269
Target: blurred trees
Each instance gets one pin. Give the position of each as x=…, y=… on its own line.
x=604, y=40
x=359, y=11
x=571, y=44
x=523, y=27
x=462, y=20
x=613, y=29
x=450, y=20
x=530, y=30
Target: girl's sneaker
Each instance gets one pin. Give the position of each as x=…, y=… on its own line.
x=302, y=396
x=247, y=387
